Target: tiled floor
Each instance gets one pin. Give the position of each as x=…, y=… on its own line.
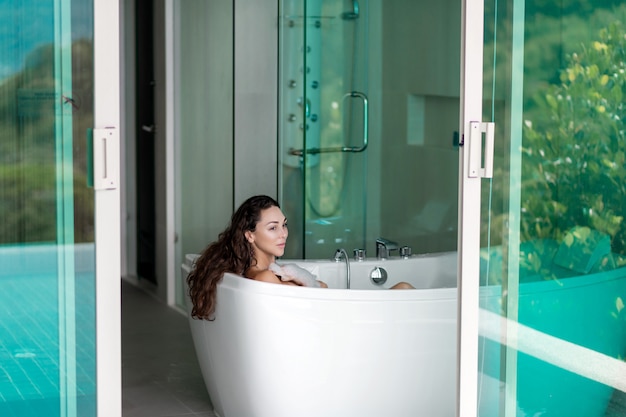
x=160, y=373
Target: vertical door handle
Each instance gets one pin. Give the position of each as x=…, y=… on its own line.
x=353, y=149
x=106, y=159
x=363, y=97
x=476, y=156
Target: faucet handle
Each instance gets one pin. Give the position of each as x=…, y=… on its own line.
x=405, y=252
x=382, y=250
x=359, y=254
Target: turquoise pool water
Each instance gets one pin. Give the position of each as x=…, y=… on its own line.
x=585, y=309
x=31, y=353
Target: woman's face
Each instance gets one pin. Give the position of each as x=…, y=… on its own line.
x=270, y=235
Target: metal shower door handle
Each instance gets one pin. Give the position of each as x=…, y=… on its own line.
x=363, y=97
x=353, y=149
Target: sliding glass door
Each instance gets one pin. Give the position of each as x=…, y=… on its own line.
x=54, y=282
x=543, y=290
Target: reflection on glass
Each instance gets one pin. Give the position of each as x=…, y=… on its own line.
x=47, y=318
x=553, y=230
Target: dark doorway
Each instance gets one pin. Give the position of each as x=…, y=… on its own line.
x=144, y=81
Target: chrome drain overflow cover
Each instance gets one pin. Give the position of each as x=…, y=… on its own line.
x=378, y=275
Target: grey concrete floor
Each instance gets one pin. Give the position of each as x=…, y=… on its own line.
x=160, y=373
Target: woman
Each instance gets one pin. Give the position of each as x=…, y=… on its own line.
x=249, y=246
x=256, y=235
x=268, y=241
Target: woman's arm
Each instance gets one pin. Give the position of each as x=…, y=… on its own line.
x=297, y=274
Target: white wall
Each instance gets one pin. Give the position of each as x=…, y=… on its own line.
x=224, y=114
x=256, y=98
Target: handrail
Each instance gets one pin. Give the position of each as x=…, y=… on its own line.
x=353, y=149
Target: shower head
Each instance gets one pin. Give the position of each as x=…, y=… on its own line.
x=352, y=14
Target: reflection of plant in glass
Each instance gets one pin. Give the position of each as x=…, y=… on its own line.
x=574, y=153
x=28, y=188
x=619, y=307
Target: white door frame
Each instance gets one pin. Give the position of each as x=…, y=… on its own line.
x=472, y=18
x=107, y=214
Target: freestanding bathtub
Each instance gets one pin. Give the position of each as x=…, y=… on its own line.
x=282, y=351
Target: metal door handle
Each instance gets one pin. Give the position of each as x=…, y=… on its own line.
x=476, y=156
x=105, y=144
x=353, y=149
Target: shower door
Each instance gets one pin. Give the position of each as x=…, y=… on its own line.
x=325, y=125
x=368, y=118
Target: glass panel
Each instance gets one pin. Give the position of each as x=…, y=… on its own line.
x=553, y=323
x=337, y=56
x=321, y=65
x=47, y=279
x=203, y=124
x=332, y=119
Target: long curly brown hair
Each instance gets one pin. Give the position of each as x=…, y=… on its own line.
x=230, y=253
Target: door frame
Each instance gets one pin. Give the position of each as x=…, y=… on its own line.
x=472, y=21
x=107, y=216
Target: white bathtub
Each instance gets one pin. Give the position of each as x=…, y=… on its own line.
x=281, y=351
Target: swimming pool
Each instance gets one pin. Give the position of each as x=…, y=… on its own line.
x=33, y=358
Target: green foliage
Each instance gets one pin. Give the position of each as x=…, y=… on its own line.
x=28, y=204
x=574, y=152
x=28, y=175
x=550, y=7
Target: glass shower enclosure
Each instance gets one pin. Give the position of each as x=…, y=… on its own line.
x=367, y=133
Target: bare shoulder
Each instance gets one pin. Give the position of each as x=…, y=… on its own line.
x=267, y=276
x=264, y=275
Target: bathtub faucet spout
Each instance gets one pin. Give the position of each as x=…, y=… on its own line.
x=384, y=247
x=341, y=253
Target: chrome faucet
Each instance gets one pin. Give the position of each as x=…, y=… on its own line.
x=339, y=253
x=384, y=247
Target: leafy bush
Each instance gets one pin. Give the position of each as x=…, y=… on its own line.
x=28, y=204
x=574, y=154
